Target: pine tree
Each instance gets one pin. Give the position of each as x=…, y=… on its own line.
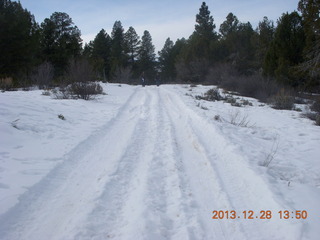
x=101, y=54
x=19, y=40
x=237, y=42
x=147, y=56
x=229, y=26
x=203, y=35
x=286, y=49
x=167, y=60
x=60, y=41
x=310, y=10
x=118, y=56
x=263, y=39
x=205, y=26
x=132, y=44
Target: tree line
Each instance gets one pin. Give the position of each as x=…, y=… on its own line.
x=286, y=52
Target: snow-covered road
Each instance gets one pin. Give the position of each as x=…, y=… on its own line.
x=156, y=170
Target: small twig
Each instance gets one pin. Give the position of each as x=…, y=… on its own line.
x=270, y=157
x=14, y=124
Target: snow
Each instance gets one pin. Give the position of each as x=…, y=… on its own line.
x=154, y=163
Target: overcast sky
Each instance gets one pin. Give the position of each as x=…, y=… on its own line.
x=162, y=18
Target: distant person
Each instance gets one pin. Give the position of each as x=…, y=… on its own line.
x=143, y=80
x=158, y=79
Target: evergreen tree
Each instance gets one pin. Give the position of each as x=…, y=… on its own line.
x=263, y=39
x=167, y=60
x=237, y=43
x=101, y=54
x=286, y=49
x=202, y=37
x=245, y=54
x=310, y=10
x=118, y=56
x=147, y=56
x=132, y=44
x=60, y=41
x=205, y=26
x=229, y=26
x=19, y=37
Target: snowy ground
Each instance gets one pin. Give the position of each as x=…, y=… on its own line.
x=154, y=163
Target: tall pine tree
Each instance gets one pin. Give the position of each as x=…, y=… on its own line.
x=101, y=54
x=147, y=56
x=167, y=61
x=310, y=10
x=205, y=26
x=19, y=36
x=132, y=44
x=118, y=55
x=229, y=26
x=263, y=39
x=286, y=50
x=60, y=41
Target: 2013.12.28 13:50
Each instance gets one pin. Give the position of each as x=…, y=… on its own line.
x=263, y=214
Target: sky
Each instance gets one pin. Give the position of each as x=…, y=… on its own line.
x=162, y=18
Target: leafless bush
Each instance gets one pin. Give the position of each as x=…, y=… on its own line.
x=254, y=85
x=123, y=75
x=46, y=93
x=85, y=90
x=313, y=116
x=283, y=100
x=318, y=119
x=316, y=105
x=238, y=119
x=80, y=70
x=43, y=75
x=271, y=155
x=80, y=75
x=211, y=95
x=220, y=73
x=61, y=93
x=6, y=83
x=192, y=72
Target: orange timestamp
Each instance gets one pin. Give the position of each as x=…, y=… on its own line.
x=262, y=214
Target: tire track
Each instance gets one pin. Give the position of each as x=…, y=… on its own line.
x=202, y=189
x=118, y=213
x=71, y=187
x=225, y=182
x=168, y=193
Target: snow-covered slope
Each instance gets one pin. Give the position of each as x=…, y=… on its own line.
x=154, y=163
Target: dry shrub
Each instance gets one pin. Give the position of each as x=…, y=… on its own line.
x=81, y=76
x=192, y=72
x=123, y=75
x=85, y=90
x=316, y=105
x=283, y=100
x=240, y=120
x=254, y=85
x=213, y=95
x=43, y=75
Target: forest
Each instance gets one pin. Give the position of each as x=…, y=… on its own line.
x=256, y=62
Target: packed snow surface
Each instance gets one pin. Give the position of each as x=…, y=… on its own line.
x=155, y=163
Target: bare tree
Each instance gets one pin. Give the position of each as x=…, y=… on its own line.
x=43, y=75
x=80, y=75
x=80, y=70
x=123, y=75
